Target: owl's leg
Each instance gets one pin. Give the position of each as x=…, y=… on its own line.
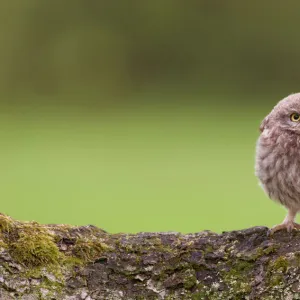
x=288, y=223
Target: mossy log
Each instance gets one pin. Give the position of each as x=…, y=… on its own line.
x=67, y=262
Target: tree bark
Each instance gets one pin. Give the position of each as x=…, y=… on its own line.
x=66, y=262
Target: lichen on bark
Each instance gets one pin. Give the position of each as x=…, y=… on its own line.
x=67, y=262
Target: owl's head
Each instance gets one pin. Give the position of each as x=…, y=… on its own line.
x=285, y=116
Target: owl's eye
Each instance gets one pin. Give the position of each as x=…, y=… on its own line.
x=295, y=117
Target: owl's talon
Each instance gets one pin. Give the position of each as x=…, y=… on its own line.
x=289, y=226
x=296, y=226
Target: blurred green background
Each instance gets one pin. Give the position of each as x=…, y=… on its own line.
x=141, y=115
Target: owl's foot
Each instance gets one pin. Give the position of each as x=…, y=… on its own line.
x=289, y=226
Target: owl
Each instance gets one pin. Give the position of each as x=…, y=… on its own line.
x=277, y=163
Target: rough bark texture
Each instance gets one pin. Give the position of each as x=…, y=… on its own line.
x=65, y=262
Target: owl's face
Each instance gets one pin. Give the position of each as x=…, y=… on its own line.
x=285, y=116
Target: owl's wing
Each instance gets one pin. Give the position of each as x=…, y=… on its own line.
x=264, y=124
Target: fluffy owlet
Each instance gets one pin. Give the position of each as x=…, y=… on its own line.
x=278, y=158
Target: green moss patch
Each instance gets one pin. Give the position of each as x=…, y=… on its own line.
x=34, y=246
x=6, y=223
x=279, y=265
x=89, y=250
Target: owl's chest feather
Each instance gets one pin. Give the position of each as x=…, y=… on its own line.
x=278, y=168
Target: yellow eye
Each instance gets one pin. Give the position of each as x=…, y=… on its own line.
x=295, y=117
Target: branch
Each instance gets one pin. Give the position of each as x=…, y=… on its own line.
x=66, y=262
